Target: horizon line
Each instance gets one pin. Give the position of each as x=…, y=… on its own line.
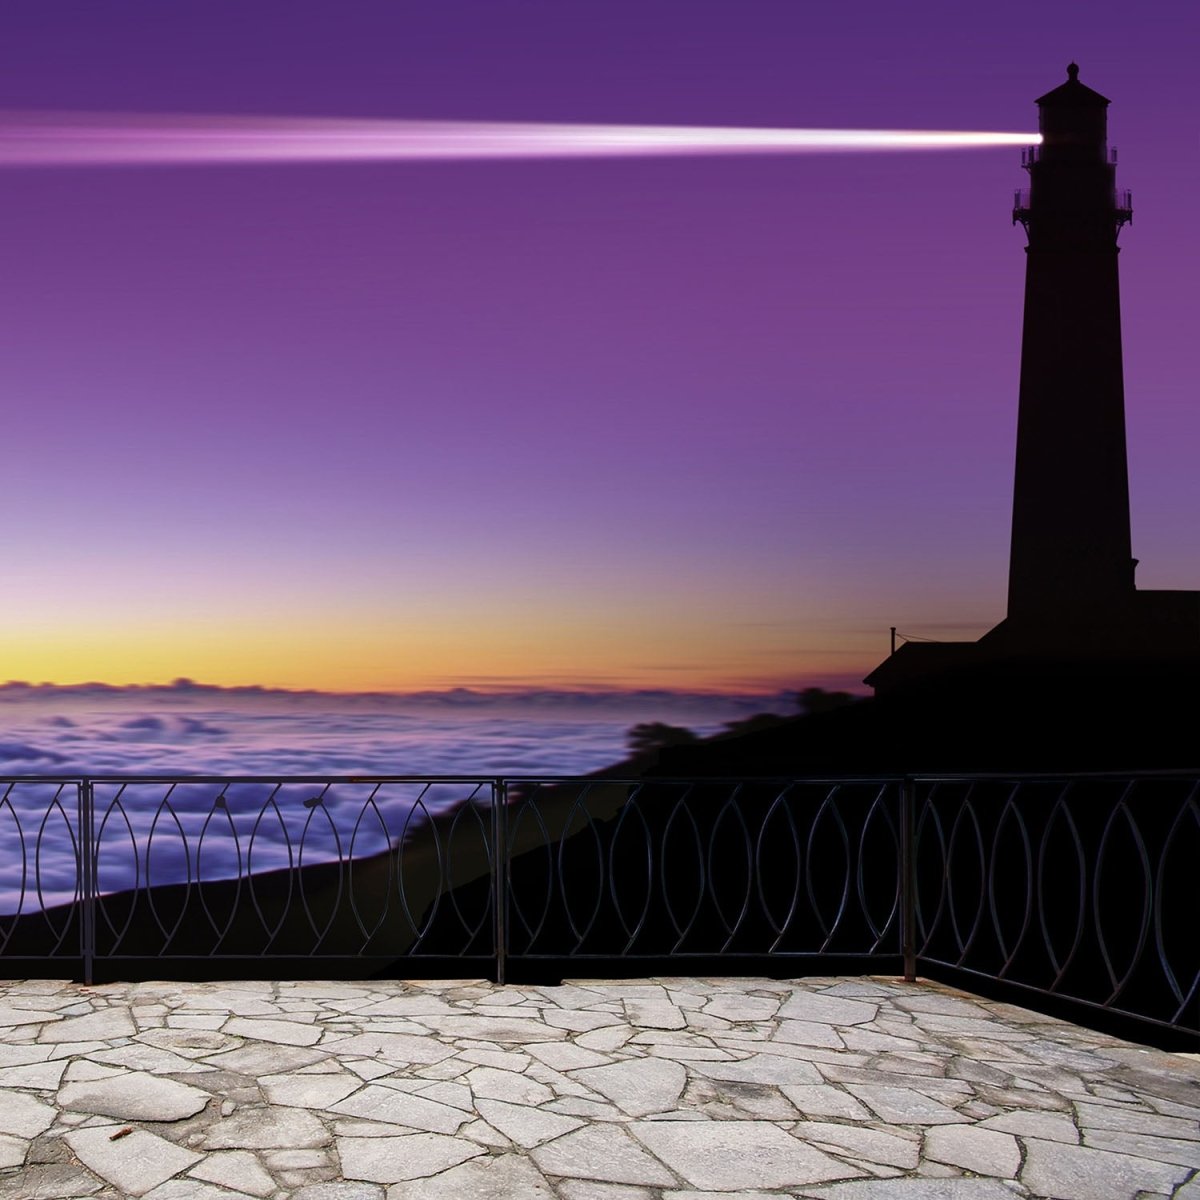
x=482, y=691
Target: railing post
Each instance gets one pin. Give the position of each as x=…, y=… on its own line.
x=500, y=872
x=908, y=878
x=87, y=881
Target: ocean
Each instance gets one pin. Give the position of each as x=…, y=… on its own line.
x=152, y=833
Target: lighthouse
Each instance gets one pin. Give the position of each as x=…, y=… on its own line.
x=1070, y=565
x=1072, y=598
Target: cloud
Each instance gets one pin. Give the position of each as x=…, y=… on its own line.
x=189, y=727
x=20, y=752
x=146, y=724
x=199, y=730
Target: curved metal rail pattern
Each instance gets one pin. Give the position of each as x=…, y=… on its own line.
x=1075, y=892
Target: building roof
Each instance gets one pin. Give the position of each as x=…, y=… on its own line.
x=1073, y=93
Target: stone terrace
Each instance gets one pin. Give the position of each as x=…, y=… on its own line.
x=665, y=1089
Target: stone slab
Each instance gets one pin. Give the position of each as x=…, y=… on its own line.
x=488, y=1083
x=876, y=1146
x=236, y=1169
x=526, y=1126
x=637, y=1086
x=824, y=1100
x=259, y=1128
x=401, y=1049
x=403, y=1157
x=604, y=1153
x=498, y=1177
x=339, y=1190
x=134, y=1164
x=286, y=1033
x=914, y=1189
x=135, y=1096
x=309, y=1091
x=376, y=1102
x=53, y=1181
x=717, y=1155
x=980, y=1151
x=808, y=1006
x=1079, y=1173
x=904, y=1105
x=24, y=1115
x=103, y=1026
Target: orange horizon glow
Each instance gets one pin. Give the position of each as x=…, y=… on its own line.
x=339, y=643
x=658, y=633
x=235, y=664
x=849, y=679
x=487, y=688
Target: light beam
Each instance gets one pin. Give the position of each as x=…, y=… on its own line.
x=96, y=140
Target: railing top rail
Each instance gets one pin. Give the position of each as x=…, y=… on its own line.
x=619, y=780
x=463, y=780
x=681, y=780
x=42, y=778
x=282, y=777
x=1054, y=776
x=611, y=780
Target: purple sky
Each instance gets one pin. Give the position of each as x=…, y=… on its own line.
x=684, y=422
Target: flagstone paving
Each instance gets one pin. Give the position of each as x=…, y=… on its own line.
x=661, y=1089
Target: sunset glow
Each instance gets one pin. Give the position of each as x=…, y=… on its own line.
x=669, y=345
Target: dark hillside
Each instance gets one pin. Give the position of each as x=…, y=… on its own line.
x=1016, y=716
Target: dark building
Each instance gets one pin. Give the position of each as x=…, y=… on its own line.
x=1073, y=606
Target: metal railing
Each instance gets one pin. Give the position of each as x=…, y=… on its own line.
x=1079, y=888
x=1070, y=891
x=1122, y=200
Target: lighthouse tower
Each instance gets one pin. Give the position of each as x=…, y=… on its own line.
x=1072, y=601
x=1070, y=567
